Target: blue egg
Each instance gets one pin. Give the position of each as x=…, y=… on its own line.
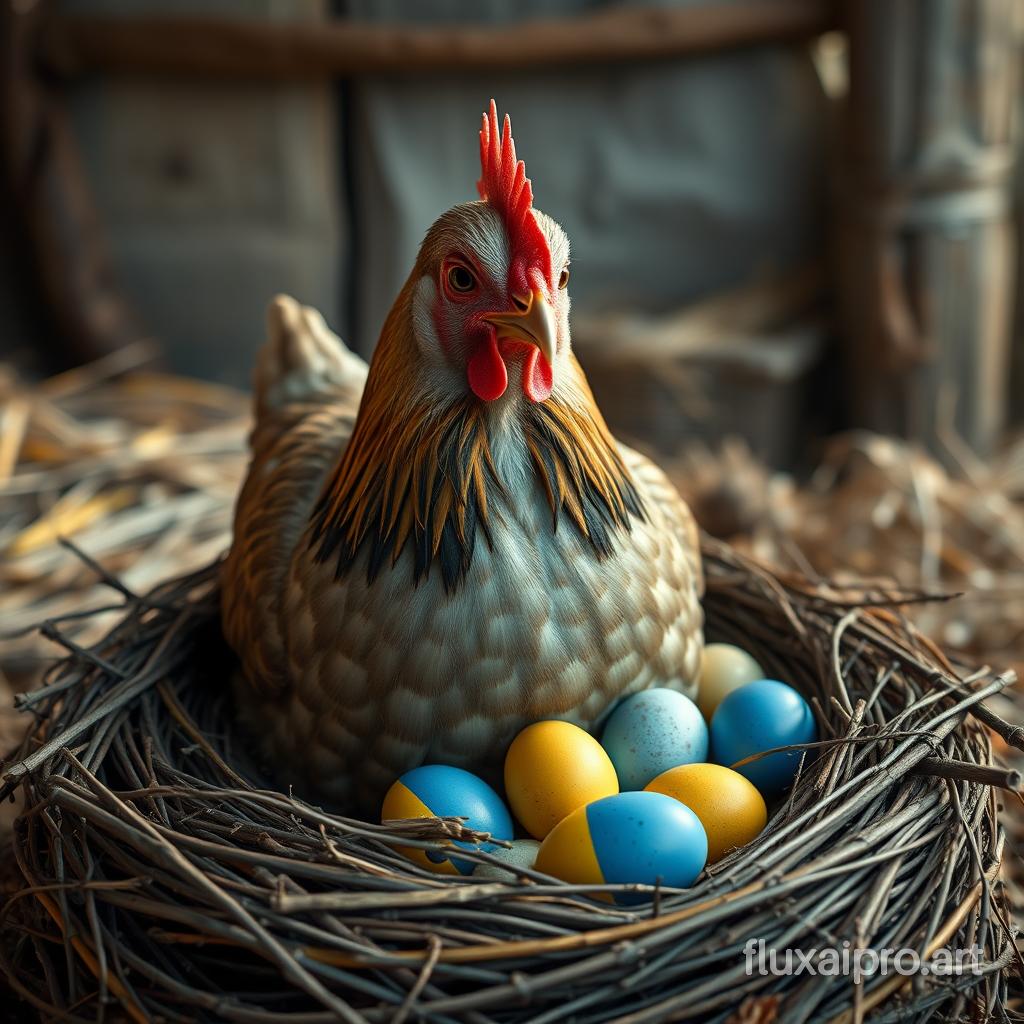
x=759, y=716
x=652, y=731
x=441, y=791
x=627, y=838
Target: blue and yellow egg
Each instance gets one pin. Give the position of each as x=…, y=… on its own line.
x=761, y=716
x=629, y=838
x=551, y=769
x=441, y=791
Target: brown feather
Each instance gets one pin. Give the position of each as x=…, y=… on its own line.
x=414, y=474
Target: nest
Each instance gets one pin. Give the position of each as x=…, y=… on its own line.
x=158, y=871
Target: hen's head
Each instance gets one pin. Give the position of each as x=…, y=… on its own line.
x=490, y=308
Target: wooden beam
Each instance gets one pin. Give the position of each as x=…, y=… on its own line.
x=249, y=49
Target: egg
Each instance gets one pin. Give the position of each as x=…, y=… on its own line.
x=552, y=768
x=723, y=668
x=729, y=806
x=441, y=791
x=652, y=731
x=521, y=854
x=628, y=838
x=759, y=716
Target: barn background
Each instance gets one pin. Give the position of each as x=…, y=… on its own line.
x=795, y=276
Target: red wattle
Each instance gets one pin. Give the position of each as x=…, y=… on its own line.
x=486, y=371
x=537, y=380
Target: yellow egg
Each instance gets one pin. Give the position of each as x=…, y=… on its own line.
x=730, y=808
x=551, y=769
x=723, y=668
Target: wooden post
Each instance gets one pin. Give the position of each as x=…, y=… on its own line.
x=927, y=238
x=222, y=47
x=49, y=203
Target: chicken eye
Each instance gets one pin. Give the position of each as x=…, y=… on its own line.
x=563, y=278
x=460, y=279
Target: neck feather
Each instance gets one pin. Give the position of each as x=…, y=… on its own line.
x=422, y=475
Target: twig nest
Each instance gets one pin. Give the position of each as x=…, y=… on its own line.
x=155, y=854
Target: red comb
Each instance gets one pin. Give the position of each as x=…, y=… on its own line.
x=503, y=183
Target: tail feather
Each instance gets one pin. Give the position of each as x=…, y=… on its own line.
x=303, y=361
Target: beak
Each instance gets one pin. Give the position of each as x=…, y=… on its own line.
x=533, y=321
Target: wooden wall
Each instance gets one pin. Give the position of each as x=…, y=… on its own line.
x=214, y=197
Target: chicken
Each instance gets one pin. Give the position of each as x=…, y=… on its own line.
x=433, y=552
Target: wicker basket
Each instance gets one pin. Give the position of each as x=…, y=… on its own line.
x=159, y=873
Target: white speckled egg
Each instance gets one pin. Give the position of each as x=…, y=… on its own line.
x=521, y=854
x=723, y=668
x=652, y=731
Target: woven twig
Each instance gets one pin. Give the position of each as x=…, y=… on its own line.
x=160, y=871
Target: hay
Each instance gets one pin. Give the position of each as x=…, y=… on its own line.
x=160, y=872
x=126, y=461
x=140, y=468
x=883, y=509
